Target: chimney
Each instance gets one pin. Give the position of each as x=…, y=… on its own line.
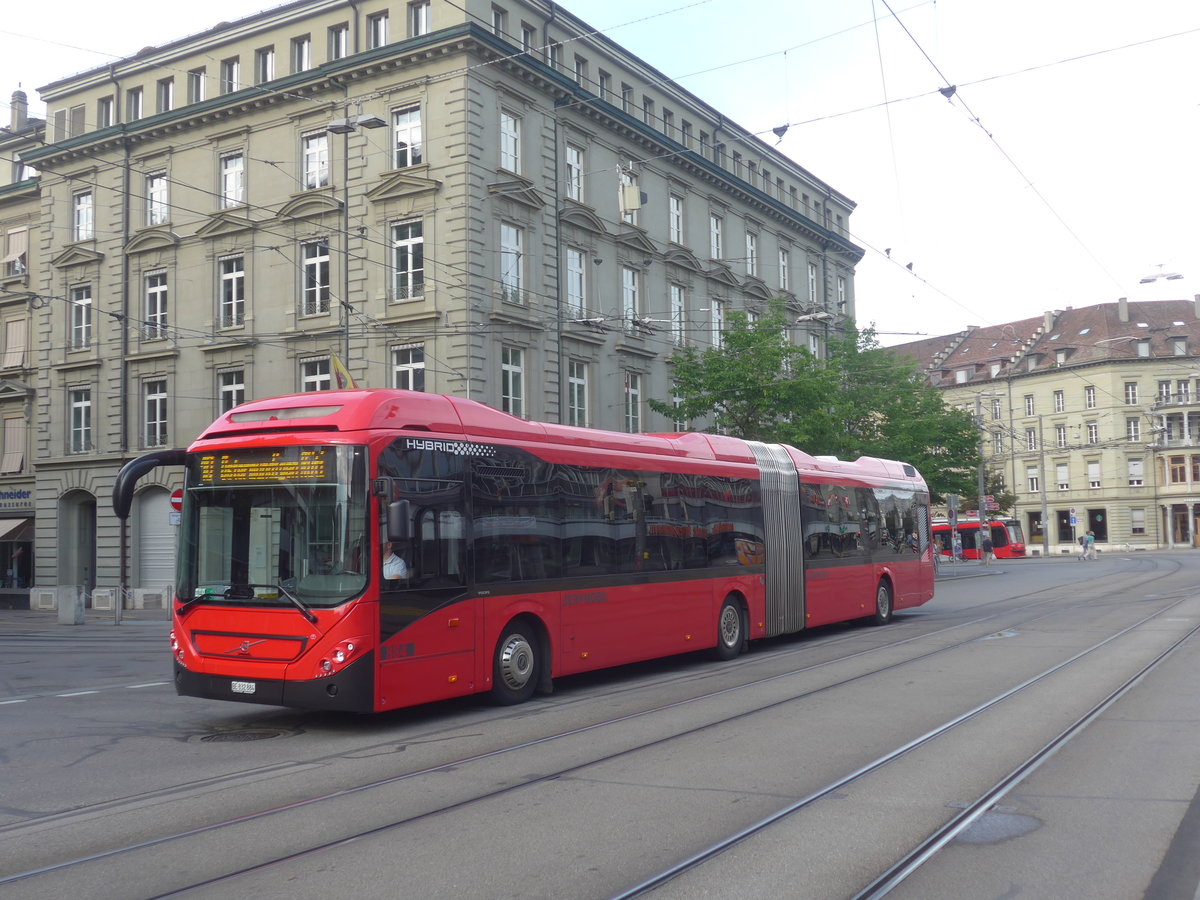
x=1123, y=309
x=20, y=110
x=1196, y=300
x=1047, y=320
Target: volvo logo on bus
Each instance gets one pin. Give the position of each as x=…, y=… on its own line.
x=244, y=647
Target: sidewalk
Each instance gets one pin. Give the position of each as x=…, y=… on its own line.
x=24, y=619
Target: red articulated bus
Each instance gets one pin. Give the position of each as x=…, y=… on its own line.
x=527, y=551
x=1008, y=541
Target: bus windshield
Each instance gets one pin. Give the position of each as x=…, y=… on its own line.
x=263, y=523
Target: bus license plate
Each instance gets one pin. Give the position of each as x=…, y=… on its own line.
x=242, y=687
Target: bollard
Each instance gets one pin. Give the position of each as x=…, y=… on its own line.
x=70, y=606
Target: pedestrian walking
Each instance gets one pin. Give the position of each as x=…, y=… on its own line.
x=1090, y=550
x=1082, y=547
x=987, y=551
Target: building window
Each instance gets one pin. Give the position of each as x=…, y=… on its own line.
x=629, y=296
x=997, y=443
x=377, y=30
x=1136, y=473
x=577, y=393
x=1183, y=388
x=751, y=254
x=718, y=323
x=133, y=104
x=1179, y=346
x=995, y=409
x=1031, y=439
x=1031, y=476
x=647, y=110
x=1029, y=405
x=408, y=367
x=510, y=142
x=716, y=241
x=1093, y=433
x=339, y=41
x=554, y=55
x=154, y=324
x=628, y=195
x=678, y=315
x=232, y=277
x=83, y=228
x=668, y=122
x=1131, y=393
x=527, y=38
x=264, y=65
x=626, y=99
x=1059, y=402
x=1060, y=435
x=16, y=341
x=314, y=160
x=581, y=71
x=165, y=95
x=512, y=381
x=675, y=218
x=104, y=112
x=231, y=75
x=231, y=389
x=158, y=210
x=154, y=413
x=1089, y=397
x=1137, y=521
x=301, y=53
x=499, y=22
x=314, y=257
x=633, y=402
x=418, y=18
x=1133, y=429
x=576, y=270
x=233, y=180
x=605, y=86
x=1063, y=478
x=510, y=263
x=408, y=260
x=406, y=132
x=80, y=402
x=840, y=287
x=315, y=374
x=16, y=252
x=812, y=283
x=1143, y=348
x=196, y=85
x=1164, y=392
x=15, y=431
x=81, y=317
x=574, y=184
x=1177, y=466
x=1093, y=470
x=785, y=270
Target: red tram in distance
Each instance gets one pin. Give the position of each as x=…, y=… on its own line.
x=526, y=550
x=1008, y=540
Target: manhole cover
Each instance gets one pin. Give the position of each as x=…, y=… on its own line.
x=239, y=736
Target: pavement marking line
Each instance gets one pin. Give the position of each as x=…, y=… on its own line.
x=77, y=694
x=7, y=702
x=134, y=687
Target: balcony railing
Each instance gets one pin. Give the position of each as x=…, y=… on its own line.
x=1165, y=401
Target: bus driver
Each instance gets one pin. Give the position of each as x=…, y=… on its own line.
x=393, y=566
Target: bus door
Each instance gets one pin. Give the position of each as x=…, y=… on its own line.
x=424, y=576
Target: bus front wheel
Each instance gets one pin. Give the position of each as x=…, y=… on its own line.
x=883, y=604
x=731, y=630
x=515, y=668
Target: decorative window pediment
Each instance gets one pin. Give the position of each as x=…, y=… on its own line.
x=305, y=206
x=723, y=274
x=158, y=239
x=583, y=217
x=684, y=258
x=636, y=238
x=756, y=287
x=517, y=189
x=225, y=223
x=396, y=185
x=76, y=256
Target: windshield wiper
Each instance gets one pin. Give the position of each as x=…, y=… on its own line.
x=246, y=592
x=295, y=601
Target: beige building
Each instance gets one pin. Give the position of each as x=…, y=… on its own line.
x=1094, y=411
x=483, y=199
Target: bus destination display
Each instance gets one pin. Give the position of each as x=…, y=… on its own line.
x=255, y=466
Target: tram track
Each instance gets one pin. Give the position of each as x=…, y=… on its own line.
x=307, y=804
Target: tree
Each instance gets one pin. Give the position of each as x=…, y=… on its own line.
x=861, y=401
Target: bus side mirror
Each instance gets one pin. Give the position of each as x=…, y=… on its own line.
x=399, y=521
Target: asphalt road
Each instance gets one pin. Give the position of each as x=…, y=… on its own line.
x=1057, y=696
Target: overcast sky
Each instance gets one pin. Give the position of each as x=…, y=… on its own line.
x=1062, y=171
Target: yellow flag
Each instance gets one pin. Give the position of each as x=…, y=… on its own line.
x=340, y=374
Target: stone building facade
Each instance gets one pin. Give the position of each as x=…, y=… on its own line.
x=490, y=200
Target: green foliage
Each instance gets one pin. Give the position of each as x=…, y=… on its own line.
x=861, y=401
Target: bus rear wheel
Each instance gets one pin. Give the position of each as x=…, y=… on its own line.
x=883, y=604
x=515, y=668
x=731, y=630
